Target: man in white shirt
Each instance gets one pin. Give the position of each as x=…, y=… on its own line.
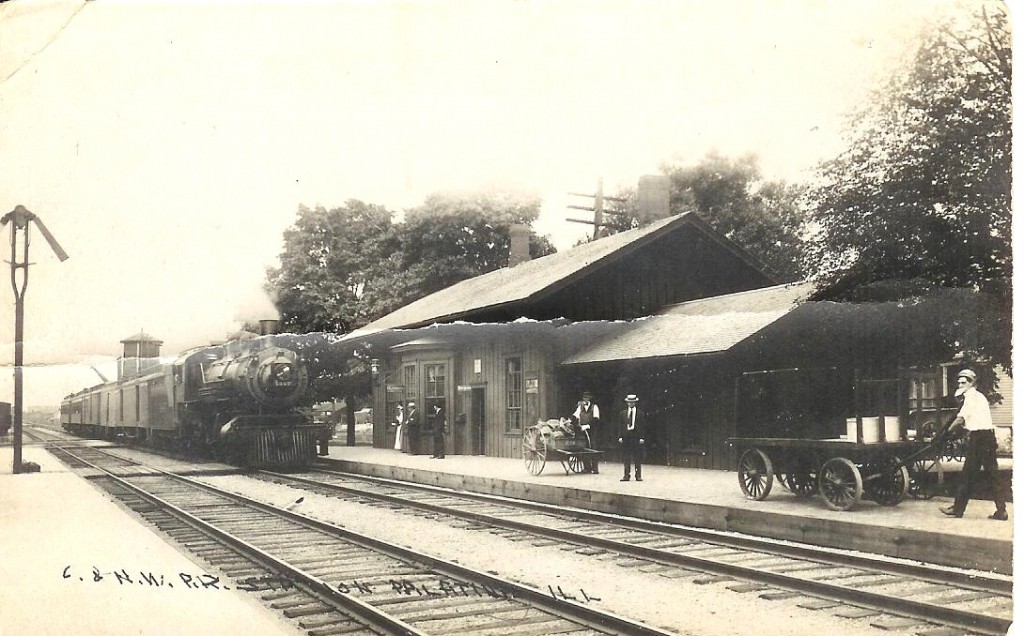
x=976, y=418
x=588, y=417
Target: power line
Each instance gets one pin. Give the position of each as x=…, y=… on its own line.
x=598, y=208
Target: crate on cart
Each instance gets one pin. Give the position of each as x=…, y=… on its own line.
x=557, y=439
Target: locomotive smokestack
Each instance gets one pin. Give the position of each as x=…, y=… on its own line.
x=268, y=327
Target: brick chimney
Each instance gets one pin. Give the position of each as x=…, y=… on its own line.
x=519, y=244
x=652, y=198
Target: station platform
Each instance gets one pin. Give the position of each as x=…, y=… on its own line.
x=61, y=542
x=914, y=529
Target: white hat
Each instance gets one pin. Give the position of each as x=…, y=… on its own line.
x=632, y=398
x=967, y=373
x=412, y=403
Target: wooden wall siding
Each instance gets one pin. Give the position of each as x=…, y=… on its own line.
x=1002, y=413
x=492, y=355
x=383, y=432
x=667, y=271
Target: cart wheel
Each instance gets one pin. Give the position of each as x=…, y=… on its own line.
x=921, y=484
x=576, y=463
x=801, y=484
x=954, y=448
x=840, y=484
x=755, y=474
x=889, y=486
x=535, y=450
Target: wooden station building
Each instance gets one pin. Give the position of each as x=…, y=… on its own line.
x=674, y=312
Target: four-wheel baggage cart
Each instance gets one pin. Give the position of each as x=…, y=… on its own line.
x=842, y=472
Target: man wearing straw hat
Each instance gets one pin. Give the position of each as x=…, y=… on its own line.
x=976, y=418
x=632, y=427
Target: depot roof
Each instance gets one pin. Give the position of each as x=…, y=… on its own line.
x=708, y=325
x=538, y=278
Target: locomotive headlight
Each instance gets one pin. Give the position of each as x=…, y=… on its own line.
x=282, y=373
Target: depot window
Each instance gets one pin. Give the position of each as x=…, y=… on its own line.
x=514, y=394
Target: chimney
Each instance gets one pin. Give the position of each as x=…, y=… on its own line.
x=652, y=198
x=519, y=244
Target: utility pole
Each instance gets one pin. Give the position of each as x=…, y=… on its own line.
x=598, y=208
x=19, y=218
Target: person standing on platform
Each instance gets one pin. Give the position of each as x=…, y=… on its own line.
x=588, y=418
x=412, y=423
x=632, y=427
x=440, y=429
x=976, y=418
x=399, y=421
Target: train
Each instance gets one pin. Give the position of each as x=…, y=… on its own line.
x=5, y=418
x=237, y=402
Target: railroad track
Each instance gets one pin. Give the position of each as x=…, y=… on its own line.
x=887, y=593
x=326, y=579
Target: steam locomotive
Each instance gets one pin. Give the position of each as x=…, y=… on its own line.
x=236, y=402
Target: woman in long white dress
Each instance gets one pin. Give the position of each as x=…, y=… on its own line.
x=399, y=419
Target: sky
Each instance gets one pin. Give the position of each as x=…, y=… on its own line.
x=167, y=146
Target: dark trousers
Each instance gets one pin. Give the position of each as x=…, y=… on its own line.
x=590, y=462
x=632, y=453
x=439, y=444
x=980, y=455
x=414, y=440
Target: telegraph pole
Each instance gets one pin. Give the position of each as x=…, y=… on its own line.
x=598, y=208
x=19, y=218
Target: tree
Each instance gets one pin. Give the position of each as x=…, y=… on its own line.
x=450, y=238
x=923, y=190
x=764, y=217
x=732, y=196
x=328, y=265
x=345, y=267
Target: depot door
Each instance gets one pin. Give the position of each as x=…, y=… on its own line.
x=477, y=421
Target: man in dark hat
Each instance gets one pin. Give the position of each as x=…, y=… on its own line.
x=412, y=424
x=976, y=418
x=632, y=426
x=588, y=418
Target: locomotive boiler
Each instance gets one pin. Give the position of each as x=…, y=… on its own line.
x=238, y=402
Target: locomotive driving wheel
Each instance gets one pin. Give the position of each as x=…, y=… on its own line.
x=840, y=484
x=535, y=450
x=755, y=474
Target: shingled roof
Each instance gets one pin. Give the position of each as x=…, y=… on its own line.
x=708, y=325
x=535, y=279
